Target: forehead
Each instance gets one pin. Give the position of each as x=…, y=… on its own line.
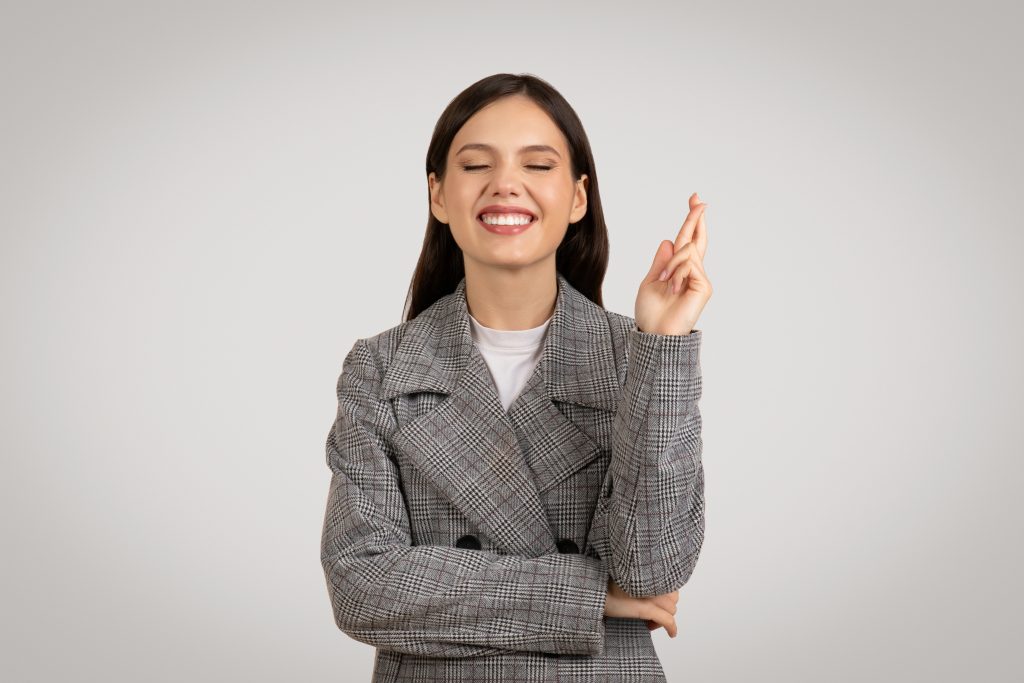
x=508, y=124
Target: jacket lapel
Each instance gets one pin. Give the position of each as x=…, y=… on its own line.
x=494, y=465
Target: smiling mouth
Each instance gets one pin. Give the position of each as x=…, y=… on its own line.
x=508, y=224
x=506, y=218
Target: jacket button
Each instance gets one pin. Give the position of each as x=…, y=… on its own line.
x=566, y=545
x=469, y=542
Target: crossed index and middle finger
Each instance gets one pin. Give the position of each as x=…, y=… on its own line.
x=693, y=228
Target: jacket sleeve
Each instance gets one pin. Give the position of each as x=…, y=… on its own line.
x=434, y=600
x=649, y=520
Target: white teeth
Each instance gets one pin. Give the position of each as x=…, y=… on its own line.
x=506, y=218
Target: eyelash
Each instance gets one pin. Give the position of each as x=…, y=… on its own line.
x=472, y=167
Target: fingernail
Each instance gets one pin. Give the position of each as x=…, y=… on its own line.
x=664, y=274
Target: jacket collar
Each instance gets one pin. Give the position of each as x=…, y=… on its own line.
x=577, y=361
x=495, y=466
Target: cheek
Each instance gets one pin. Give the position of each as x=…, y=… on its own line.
x=462, y=200
x=554, y=199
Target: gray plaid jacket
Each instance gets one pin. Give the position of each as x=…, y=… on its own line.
x=467, y=543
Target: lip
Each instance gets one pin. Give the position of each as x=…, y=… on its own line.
x=506, y=208
x=505, y=229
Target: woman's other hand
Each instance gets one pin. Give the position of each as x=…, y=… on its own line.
x=658, y=610
x=676, y=289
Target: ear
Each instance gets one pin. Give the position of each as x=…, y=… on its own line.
x=579, y=205
x=436, y=198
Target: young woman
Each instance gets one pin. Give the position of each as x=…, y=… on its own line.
x=517, y=490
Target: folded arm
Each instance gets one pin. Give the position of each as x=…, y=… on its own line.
x=434, y=600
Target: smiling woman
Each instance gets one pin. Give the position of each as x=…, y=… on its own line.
x=510, y=144
x=517, y=491
x=506, y=175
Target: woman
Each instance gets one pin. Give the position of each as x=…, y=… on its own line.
x=517, y=490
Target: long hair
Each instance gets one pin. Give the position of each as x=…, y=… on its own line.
x=582, y=256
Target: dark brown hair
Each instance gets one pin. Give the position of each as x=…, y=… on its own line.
x=582, y=257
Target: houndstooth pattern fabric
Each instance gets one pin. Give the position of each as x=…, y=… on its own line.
x=469, y=543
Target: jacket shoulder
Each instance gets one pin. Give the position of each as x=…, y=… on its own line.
x=619, y=324
x=382, y=345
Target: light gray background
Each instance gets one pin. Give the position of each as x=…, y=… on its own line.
x=204, y=204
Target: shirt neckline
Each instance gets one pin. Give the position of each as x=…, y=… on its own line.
x=508, y=339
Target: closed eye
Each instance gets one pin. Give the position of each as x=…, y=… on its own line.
x=537, y=166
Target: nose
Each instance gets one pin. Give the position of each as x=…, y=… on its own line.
x=505, y=182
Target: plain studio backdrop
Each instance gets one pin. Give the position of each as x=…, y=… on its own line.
x=204, y=204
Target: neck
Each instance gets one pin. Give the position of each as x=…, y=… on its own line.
x=511, y=298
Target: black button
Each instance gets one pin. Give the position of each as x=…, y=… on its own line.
x=566, y=545
x=469, y=542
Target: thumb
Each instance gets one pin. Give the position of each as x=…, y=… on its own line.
x=661, y=258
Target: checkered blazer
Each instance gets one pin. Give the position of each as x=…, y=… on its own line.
x=467, y=543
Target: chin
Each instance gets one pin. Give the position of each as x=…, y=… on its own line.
x=513, y=261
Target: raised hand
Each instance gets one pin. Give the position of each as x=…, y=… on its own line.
x=675, y=290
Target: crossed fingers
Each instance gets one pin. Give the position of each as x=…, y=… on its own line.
x=690, y=245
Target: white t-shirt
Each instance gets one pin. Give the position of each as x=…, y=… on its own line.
x=511, y=356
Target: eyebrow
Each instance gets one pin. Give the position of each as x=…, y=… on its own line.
x=527, y=148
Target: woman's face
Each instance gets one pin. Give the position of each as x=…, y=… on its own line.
x=509, y=154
